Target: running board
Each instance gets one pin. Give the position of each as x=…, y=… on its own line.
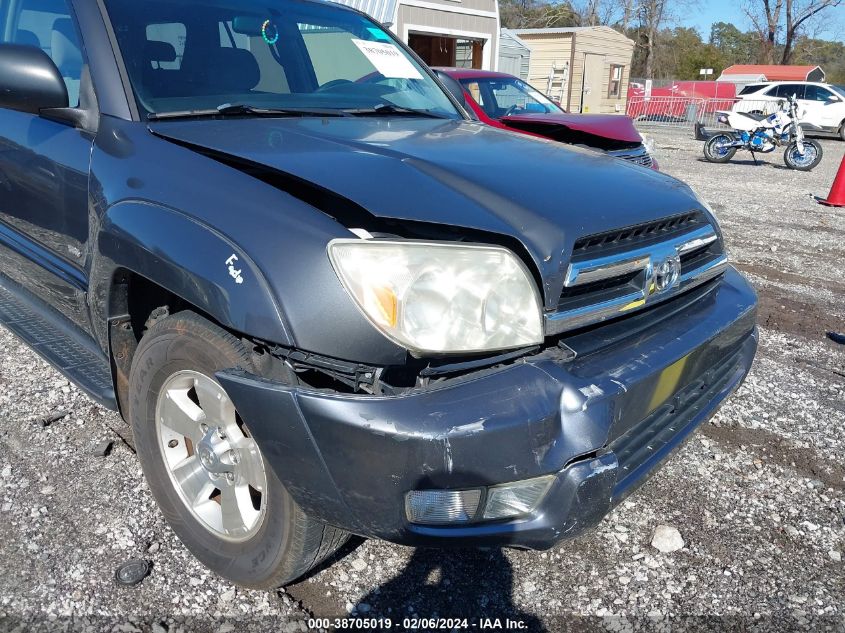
x=58, y=341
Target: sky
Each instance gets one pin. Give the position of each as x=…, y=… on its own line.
x=709, y=11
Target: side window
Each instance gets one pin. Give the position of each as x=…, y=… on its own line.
x=817, y=93
x=230, y=39
x=272, y=77
x=784, y=91
x=164, y=37
x=48, y=25
x=475, y=91
x=507, y=96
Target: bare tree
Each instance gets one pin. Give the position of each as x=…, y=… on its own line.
x=797, y=14
x=652, y=15
x=592, y=13
x=556, y=15
x=627, y=15
x=533, y=14
x=766, y=25
x=616, y=13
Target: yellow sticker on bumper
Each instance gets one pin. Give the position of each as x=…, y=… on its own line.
x=667, y=383
x=632, y=305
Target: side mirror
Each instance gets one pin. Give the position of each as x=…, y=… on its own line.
x=29, y=80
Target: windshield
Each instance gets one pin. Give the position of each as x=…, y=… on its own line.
x=195, y=55
x=506, y=97
x=839, y=89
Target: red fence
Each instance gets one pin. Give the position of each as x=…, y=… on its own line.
x=687, y=111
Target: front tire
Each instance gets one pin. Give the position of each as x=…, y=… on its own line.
x=207, y=475
x=842, y=130
x=810, y=159
x=714, y=150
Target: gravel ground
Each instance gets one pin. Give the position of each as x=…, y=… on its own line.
x=757, y=497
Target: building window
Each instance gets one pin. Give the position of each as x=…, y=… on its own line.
x=614, y=86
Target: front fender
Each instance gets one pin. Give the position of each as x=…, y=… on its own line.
x=191, y=260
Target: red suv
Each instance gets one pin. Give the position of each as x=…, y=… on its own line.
x=507, y=102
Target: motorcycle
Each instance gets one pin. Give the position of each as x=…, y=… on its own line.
x=759, y=133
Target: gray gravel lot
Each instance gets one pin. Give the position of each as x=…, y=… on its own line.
x=758, y=496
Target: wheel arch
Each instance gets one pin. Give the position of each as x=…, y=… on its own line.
x=191, y=260
x=148, y=256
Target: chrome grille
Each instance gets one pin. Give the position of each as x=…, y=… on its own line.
x=638, y=155
x=618, y=272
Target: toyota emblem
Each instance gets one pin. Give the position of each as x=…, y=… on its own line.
x=666, y=274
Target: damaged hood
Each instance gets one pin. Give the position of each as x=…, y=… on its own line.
x=611, y=126
x=454, y=173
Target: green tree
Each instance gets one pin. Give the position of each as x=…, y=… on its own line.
x=679, y=54
x=829, y=55
x=733, y=45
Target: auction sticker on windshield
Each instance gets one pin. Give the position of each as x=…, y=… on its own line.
x=388, y=60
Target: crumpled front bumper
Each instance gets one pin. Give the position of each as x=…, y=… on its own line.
x=601, y=424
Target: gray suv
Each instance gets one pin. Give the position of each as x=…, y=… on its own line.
x=329, y=302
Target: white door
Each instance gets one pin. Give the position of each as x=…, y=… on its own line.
x=823, y=107
x=591, y=91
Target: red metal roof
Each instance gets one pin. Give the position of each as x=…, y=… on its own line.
x=772, y=73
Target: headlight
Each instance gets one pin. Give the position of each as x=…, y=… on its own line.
x=438, y=298
x=648, y=143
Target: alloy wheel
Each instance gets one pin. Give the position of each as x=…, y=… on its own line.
x=214, y=465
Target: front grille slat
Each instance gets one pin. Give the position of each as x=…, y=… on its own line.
x=698, y=258
x=635, y=236
x=597, y=291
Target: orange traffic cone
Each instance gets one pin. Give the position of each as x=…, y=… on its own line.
x=836, y=198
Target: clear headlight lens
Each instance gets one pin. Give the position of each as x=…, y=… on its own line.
x=648, y=143
x=441, y=298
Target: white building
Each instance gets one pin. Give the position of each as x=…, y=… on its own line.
x=461, y=33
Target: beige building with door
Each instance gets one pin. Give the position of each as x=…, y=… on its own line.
x=462, y=33
x=586, y=69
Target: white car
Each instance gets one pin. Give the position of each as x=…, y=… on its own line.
x=823, y=105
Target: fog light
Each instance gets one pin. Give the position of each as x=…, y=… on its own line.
x=517, y=498
x=441, y=506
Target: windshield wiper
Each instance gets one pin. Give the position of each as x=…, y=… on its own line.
x=390, y=109
x=242, y=109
